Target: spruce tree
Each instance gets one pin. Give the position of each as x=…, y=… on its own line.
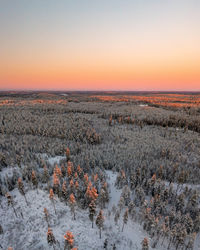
x=50, y=238
x=100, y=221
x=125, y=219
x=21, y=189
x=92, y=211
x=11, y=202
x=69, y=240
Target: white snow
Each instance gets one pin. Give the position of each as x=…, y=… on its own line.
x=143, y=105
x=51, y=160
x=114, y=192
x=29, y=232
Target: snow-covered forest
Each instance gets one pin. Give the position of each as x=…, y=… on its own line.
x=78, y=172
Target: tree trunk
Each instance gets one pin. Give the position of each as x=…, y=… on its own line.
x=92, y=224
x=123, y=227
x=74, y=216
x=14, y=210
x=25, y=199
x=54, y=206
x=177, y=245
x=169, y=244
x=100, y=232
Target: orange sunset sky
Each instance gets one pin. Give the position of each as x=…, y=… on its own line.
x=100, y=45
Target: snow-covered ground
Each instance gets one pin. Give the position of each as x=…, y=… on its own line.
x=28, y=230
x=51, y=160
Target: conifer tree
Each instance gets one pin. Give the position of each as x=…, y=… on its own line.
x=46, y=175
x=117, y=216
x=96, y=180
x=67, y=153
x=64, y=191
x=11, y=202
x=131, y=209
x=56, y=184
x=125, y=219
x=69, y=240
x=72, y=202
x=34, y=179
x=50, y=238
x=86, y=179
x=145, y=244
x=69, y=169
x=105, y=244
x=58, y=171
x=79, y=170
x=102, y=198
x=100, y=221
x=190, y=244
x=21, y=189
x=180, y=237
x=63, y=170
x=92, y=211
x=46, y=216
x=52, y=198
x=121, y=203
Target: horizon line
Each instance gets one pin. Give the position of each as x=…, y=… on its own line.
x=90, y=90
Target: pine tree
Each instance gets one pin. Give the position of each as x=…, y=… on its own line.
x=96, y=180
x=46, y=216
x=63, y=170
x=86, y=179
x=188, y=223
x=51, y=197
x=11, y=202
x=64, y=191
x=125, y=219
x=145, y=244
x=69, y=169
x=21, y=189
x=131, y=209
x=121, y=203
x=191, y=241
x=34, y=179
x=56, y=184
x=46, y=175
x=69, y=240
x=105, y=244
x=80, y=171
x=50, y=238
x=197, y=224
x=180, y=237
x=117, y=216
x=67, y=153
x=72, y=202
x=100, y=221
x=76, y=185
x=92, y=211
x=126, y=195
x=58, y=171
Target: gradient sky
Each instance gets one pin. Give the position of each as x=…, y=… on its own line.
x=100, y=44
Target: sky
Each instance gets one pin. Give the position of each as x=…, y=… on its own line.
x=100, y=45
